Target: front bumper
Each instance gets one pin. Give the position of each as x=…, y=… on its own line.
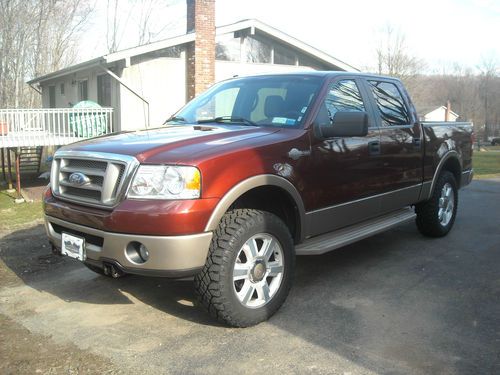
x=170, y=256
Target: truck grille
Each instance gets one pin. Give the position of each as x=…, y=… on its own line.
x=87, y=179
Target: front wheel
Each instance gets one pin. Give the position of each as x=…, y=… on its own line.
x=249, y=268
x=436, y=216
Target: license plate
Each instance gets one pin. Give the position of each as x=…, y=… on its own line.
x=73, y=246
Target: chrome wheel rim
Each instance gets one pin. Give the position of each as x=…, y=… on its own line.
x=446, y=204
x=258, y=270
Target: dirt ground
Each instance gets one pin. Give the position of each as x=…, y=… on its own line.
x=396, y=303
x=23, y=351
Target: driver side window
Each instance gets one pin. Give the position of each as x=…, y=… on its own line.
x=343, y=96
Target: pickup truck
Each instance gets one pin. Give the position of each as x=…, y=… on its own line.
x=248, y=175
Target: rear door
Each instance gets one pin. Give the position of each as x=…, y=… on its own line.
x=401, y=144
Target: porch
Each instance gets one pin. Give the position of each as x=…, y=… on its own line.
x=52, y=126
x=24, y=133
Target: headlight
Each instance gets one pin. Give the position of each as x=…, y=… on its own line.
x=166, y=182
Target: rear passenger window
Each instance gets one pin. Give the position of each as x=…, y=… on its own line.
x=344, y=96
x=390, y=103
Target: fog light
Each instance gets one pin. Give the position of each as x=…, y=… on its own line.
x=143, y=252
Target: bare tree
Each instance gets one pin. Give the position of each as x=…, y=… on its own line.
x=393, y=57
x=487, y=79
x=138, y=18
x=36, y=37
x=115, y=25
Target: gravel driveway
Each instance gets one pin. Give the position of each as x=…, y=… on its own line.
x=393, y=303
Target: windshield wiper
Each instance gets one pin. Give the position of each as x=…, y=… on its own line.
x=175, y=118
x=228, y=119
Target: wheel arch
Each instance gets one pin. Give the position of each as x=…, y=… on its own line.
x=267, y=187
x=449, y=162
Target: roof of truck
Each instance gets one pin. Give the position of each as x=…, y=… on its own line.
x=320, y=73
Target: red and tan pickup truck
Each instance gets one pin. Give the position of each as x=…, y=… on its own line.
x=250, y=174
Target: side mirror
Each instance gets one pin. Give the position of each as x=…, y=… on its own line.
x=346, y=124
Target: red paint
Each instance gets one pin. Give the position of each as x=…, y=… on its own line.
x=334, y=170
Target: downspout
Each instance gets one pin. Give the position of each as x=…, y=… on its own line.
x=121, y=82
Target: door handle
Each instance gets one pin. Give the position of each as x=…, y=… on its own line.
x=374, y=148
x=417, y=142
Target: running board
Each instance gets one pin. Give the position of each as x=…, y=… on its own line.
x=345, y=236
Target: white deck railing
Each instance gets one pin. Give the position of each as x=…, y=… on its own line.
x=52, y=126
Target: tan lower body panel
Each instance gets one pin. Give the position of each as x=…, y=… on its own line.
x=166, y=253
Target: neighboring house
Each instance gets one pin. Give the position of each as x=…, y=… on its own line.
x=150, y=82
x=439, y=114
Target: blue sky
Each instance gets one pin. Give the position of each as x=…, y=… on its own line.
x=442, y=32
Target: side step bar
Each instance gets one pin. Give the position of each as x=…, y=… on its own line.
x=345, y=236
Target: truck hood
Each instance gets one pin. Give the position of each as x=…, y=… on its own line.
x=169, y=140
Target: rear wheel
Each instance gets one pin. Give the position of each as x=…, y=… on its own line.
x=436, y=217
x=249, y=269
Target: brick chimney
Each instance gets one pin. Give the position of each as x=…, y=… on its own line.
x=200, y=55
x=447, y=111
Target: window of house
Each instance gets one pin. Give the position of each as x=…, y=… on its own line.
x=257, y=51
x=284, y=56
x=390, y=103
x=104, y=90
x=61, y=87
x=312, y=63
x=173, y=52
x=344, y=96
x=83, y=93
x=52, y=97
x=228, y=48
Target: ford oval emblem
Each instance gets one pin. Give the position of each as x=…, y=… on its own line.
x=78, y=178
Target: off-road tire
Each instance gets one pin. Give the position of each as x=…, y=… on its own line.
x=214, y=285
x=428, y=222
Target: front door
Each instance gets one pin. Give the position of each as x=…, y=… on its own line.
x=342, y=175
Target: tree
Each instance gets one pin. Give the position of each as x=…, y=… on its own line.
x=488, y=93
x=138, y=20
x=393, y=58
x=36, y=37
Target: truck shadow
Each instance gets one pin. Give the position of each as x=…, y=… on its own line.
x=27, y=254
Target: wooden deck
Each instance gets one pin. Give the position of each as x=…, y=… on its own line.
x=32, y=139
x=52, y=126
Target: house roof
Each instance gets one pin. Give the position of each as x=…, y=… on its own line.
x=251, y=24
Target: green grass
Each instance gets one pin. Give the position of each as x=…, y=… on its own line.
x=491, y=148
x=486, y=164
x=13, y=215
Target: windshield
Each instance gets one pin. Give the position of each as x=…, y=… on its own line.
x=280, y=101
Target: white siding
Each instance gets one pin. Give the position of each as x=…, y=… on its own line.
x=162, y=82
x=439, y=115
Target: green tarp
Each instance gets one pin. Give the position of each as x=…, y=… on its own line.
x=88, y=123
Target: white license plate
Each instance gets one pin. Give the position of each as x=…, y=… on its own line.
x=73, y=246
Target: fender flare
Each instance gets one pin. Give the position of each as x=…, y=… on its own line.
x=449, y=155
x=250, y=183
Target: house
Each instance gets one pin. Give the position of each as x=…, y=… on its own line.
x=147, y=84
x=441, y=113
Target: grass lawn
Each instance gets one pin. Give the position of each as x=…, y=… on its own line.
x=14, y=215
x=486, y=164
